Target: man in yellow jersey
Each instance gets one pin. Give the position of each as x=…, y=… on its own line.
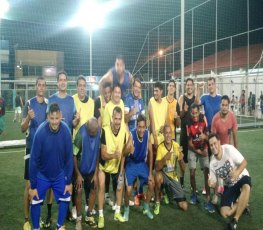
x=168, y=155
x=115, y=144
x=157, y=108
x=83, y=103
x=115, y=101
x=173, y=108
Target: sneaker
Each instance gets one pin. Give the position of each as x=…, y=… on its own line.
x=70, y=217
x=78, y=224
x=119, y=217
x=63, y=227
x=166, y=199
x=148, y=213
x=157, y=209
x=47, y=223
x=131, y=203
x=232, y=225
x=209, y=207
x=74, y=212
x=27, y=226
x=108, y=201
x=204, y=192
x=194, y=199
x=126, y=213
x=90, y=221
x=113, y=207
x=101, y=222
x=93, y=212
x=137, y=200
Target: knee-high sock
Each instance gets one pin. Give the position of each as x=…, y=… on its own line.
x=35, y=215
x=62, y=212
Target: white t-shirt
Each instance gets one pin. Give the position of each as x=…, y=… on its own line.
x=231, y=159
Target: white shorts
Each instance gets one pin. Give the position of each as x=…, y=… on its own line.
x=193, y=157
x=18, y=109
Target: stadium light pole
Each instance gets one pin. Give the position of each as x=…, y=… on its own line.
x=3, y=10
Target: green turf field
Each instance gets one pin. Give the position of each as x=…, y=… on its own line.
x=250, y=144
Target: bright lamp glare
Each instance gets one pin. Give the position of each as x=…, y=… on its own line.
x=4, y=7
x=91, y=14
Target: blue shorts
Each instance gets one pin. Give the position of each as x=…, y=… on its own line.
x=134, y=170
x=231, y=194
x=58, y=188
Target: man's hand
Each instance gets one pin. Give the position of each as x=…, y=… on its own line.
x=134, y=111
x=233, y=174
x=30, y=113
x=185, y=107
x=68, y=188
x=211, y=183
x=79, y=182
x=33, y=193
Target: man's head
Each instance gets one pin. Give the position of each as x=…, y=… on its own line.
x=224, y=106
x=92, y=126
x=214, y=144
x=62, y=81
x=40, y=87
x=211, y=85
x=54, y=117
x=136, y=87
x=167, y=133
x=119, y=65
x=158, y=90
x=116, y=94
x=116, y=118
x=141, y=125
x=171, y=88
x=107, y=91
x=189, y=86
x=81, y=87
x=195, y=112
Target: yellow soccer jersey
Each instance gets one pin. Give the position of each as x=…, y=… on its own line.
x=170, y=166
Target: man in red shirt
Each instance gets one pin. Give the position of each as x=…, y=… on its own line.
x=224, y=123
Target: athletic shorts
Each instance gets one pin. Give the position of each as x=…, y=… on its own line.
x=173, y=188
x=18, y=109
x=88, y=184
x=58, y=188
x=26, y=158
x=134, y=170
x=184, y=144
x=231, y=194
x=193, y=157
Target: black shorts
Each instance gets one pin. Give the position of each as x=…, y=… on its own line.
x=26, y=158
x=231, y=194
x=88, y=183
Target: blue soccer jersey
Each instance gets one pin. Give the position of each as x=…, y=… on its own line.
x=130, y=104
x=67, y=108
x=211, y=107
x=126, y=83
x=40, y=116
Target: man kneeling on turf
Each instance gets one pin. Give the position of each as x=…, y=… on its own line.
x=51, y=165
x=136, y=165
x=168, y=154
x=229, y=165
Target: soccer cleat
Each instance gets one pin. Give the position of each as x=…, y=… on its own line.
x=194, y=199
x=148, y=213
x=166, y=199
x=137, y=200
x=93, y=212
x=113, y=207
x=232, y=225
x=119, y=217
x=47, y=223
x=90, y=221
x=78, y=224
x=247, y=211
x=209, y=207
x=101, y=222
x=126, y=213
x=157, y=209
x=204, y=192
x=108, y=200
x=27, y=226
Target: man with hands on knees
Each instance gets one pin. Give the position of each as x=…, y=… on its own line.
x=229, y=165
x=51, y=165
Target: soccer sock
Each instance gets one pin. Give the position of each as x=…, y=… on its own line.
x=35, y=215
x=101, y=212
x=49, y=207
x=62, y=212
x=118, y=209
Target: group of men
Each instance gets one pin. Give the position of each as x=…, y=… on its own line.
x=75, y=144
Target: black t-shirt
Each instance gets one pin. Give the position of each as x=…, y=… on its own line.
x=97, y=107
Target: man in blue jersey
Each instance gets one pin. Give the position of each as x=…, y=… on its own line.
x=117, y=75
x=34, y=113
x=51, y=165
x=86, y=151
x=136, y=165
x=134, y=105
